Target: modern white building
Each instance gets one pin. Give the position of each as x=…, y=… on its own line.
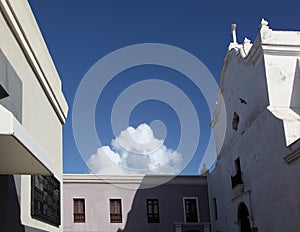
x=255, y=184
x=32, y=111
x=125, y=203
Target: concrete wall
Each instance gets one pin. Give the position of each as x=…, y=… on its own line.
x=134, y=211
x=43, y=105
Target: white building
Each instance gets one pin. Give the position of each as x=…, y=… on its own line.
x=126, y=203
x=255, y=183
x=32, y=111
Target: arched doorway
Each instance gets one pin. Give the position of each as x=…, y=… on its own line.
x=243, y=217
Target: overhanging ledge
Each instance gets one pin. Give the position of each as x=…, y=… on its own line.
x=20, y=154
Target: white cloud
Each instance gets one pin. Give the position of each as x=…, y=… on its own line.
x=136, y=151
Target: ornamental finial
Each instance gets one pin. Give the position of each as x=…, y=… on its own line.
x=263, y=23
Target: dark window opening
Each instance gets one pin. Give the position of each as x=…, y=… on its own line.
x=215, y=208
x=191, y=208
x=237, y=163
x=235, y=121
x=152, y=211
x=79, y=210
x=115, y=211
x=237, y=178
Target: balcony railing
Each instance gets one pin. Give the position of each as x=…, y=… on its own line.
x=79, y=217
x=184, y=226
x=115, y=218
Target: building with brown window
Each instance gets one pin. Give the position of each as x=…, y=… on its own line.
x=32, y=111
x=124, y=203
x=254, y=186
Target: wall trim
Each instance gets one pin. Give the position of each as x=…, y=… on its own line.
x=20, y=36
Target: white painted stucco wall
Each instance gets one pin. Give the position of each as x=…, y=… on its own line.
x=266, y=78
x=44, y=108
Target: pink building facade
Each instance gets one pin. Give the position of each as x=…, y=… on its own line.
x=124, y=203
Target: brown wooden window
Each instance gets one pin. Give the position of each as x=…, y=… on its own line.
x=152, y=211
x=191, y=209
x=115, y=211
x=79, y=210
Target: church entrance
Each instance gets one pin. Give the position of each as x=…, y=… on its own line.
x=243, y=217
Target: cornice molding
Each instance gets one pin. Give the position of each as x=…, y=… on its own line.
x=135, y=179
x=281, y=50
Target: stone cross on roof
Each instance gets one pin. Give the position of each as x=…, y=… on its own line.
x=233, y=32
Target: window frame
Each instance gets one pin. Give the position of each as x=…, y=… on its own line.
x=114, y=220
x=77, y=200
x=152, y=217
x=197, y=209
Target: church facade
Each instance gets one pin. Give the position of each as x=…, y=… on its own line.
x=254, y=185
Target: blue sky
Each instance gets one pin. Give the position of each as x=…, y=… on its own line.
x=78, y=33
